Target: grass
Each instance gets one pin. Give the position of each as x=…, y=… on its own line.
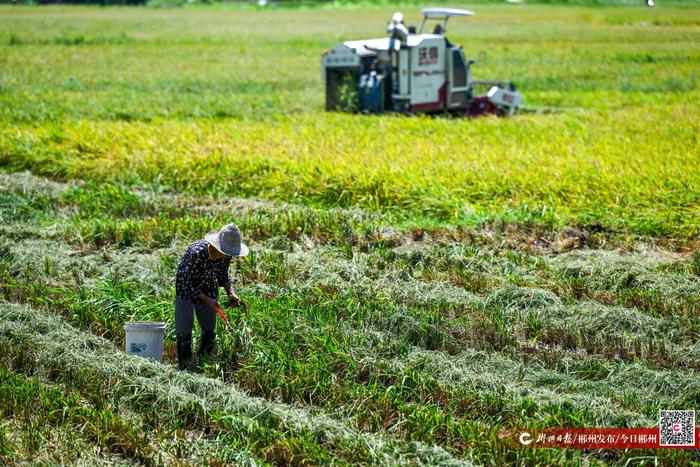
x=43, y=414
x=415, y=285
x=186, y=401
x=444, y=343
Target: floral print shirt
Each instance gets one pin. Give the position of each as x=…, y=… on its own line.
x=199, y=273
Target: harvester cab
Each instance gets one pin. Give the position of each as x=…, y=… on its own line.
x=411, y=71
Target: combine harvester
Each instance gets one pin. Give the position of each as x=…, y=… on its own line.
x=411, y=72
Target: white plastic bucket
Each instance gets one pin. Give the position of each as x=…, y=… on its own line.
x=145, y=339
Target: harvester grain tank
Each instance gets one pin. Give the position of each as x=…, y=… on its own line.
x=411, y=71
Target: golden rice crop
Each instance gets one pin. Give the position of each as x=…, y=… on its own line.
x=213, y=101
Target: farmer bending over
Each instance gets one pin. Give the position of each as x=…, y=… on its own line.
x=203, y=269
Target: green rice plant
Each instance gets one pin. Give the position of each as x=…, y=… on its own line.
x=138, y=384
x=296, y=389
x=105, y=200
x=304, y=383
x=38, y=409
x=695, y=264
x=633, y=281
x=314, y=270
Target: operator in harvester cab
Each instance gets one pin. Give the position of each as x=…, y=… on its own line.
x=202, y=270
x=440, y=31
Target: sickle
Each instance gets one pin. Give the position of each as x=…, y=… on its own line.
x=223, y=316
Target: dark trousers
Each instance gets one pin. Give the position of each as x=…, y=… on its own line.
x=184, y=322
x=184, y=317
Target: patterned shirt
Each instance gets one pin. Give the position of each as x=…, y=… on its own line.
x=199, y=273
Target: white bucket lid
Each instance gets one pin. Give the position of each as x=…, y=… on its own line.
x=144, y=326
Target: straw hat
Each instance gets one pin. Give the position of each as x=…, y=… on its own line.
x=228, y=241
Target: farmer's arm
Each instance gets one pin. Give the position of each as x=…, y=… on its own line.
x=225, y=282
x=211, y=303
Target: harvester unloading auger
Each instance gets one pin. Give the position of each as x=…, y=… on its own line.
x=411, y=72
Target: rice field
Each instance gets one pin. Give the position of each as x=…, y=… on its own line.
x=415, y=285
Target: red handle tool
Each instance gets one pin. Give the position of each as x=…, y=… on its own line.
x=223, y=316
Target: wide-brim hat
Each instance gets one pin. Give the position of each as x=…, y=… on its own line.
x=228, y=241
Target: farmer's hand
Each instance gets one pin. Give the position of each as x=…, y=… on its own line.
x=210, y=302
x=236, y=301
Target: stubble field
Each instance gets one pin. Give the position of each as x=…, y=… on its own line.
x=415, y=284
